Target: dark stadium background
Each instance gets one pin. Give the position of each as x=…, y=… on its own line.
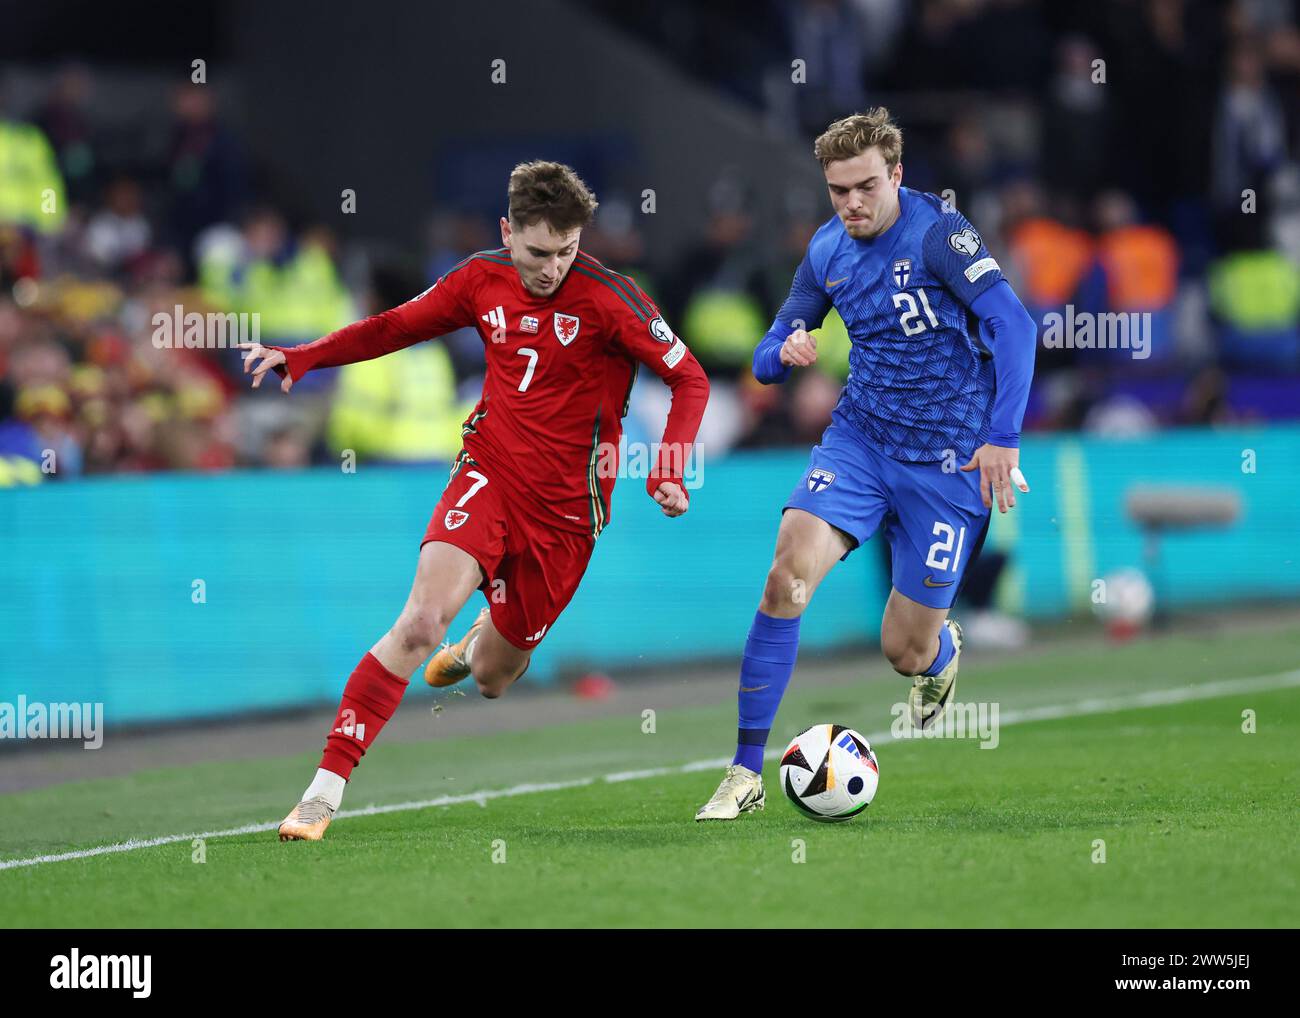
x=1198, y=106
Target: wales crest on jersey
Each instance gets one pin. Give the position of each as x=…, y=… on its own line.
x=566, y=328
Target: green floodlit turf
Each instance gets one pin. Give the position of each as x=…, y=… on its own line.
x=1199, y=820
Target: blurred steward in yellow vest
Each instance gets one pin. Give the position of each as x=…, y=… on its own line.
x=401, y=408
x=31, y=186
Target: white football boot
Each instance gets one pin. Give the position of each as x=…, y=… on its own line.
x=741, y=791
x=307, y=821
x=931, y=694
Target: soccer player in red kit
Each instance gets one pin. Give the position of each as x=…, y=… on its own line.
x=530, y=490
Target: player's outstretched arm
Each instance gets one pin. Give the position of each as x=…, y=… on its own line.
x=435, y=312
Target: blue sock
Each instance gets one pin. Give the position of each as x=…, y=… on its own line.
x=765, y=671
x=946, y=651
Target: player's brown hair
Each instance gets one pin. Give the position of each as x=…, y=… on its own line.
x=853, y=135
x=552, y=193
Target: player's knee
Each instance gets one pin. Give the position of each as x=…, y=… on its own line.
x=494, y=677
x=908, y=663
x=785, y=594
x=420, y=629
x=489, y=691
x=492, y=682
x=908, y=656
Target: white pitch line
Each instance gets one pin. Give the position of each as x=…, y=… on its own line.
x=446, y=800
x=1053, y=712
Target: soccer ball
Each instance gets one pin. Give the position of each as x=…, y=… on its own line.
x=1128, y=604
x=829, y=773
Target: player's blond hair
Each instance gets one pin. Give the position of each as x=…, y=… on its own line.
x=552, y=193
x=853, y=135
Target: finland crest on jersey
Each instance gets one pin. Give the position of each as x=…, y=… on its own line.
x=902, y=272
x=819, y=479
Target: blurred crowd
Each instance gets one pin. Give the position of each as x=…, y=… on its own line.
x=1126, y=156
x=1117, y=157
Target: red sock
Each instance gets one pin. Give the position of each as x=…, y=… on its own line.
x=369, y=699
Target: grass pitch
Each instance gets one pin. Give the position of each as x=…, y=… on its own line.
x=1198, y=818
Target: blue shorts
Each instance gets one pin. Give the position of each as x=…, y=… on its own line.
x=934, y=521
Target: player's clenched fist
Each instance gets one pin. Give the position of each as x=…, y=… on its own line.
x=672, y=498
x=269, y=359
x=799, y=350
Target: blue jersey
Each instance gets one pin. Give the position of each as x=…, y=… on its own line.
x=921, y=383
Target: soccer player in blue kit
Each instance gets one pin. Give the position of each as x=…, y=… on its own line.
x=924, y=439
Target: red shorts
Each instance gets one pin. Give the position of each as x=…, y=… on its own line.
x=532, y=568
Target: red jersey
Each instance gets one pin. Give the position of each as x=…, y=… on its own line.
x=559, y=376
